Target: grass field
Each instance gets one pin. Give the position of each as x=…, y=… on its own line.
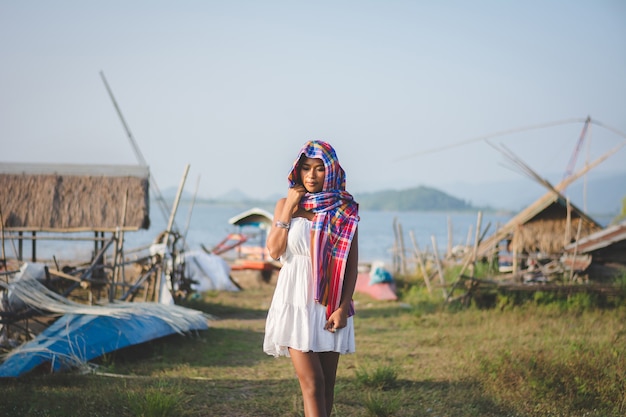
x=415, y=357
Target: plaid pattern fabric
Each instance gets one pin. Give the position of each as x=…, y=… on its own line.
x=334, y=224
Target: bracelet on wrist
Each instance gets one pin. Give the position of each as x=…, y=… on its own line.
x=282, y=225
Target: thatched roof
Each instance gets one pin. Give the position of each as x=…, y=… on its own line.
x=544, y=226
x=67, y=198
x=551, y=222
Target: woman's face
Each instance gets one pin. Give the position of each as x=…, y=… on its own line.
x=312, y=173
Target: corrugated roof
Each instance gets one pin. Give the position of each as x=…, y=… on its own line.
x=599, y=240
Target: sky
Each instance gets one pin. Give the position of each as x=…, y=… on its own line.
x=406, y=91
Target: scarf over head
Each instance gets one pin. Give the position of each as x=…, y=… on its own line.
x=334, y=224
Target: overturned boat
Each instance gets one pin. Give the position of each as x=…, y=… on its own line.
x=84, y=332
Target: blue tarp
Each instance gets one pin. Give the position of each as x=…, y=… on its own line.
x=78, y=338
x=380, y=275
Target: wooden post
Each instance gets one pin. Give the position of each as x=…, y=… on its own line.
x=476, y=242
x=34, y=246
x=469, y=236
x=20, y=246
x=114, y=274
x=118, y=256
x=403, y=268
x=95, y=243
x=515, y=251
x=442, y=279
x=450, y=238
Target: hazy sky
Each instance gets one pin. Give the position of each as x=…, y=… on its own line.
x=234, y=88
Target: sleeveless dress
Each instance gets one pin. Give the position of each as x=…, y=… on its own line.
x=294, y=319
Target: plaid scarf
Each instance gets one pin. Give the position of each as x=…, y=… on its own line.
x=334, y=223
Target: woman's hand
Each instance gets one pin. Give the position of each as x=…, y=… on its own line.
x=285, y=207
x=294, y=195
x=337, y=320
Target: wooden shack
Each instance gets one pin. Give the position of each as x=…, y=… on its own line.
x=606, y=246
x=71, y=198
x=544, y=228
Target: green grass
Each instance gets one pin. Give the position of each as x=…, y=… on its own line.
x=382, y=378
x=415, y=357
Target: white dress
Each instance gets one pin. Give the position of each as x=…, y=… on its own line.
x=294, y=319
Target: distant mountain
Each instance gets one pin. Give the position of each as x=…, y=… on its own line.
x=604, y=195
x=234, y=195
x=169, y=194
x=415, y=199
x=604, y=192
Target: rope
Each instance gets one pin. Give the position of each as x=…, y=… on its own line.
x=511, y=131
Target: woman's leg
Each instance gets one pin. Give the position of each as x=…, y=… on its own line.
x=316, y=374
x=329, y=361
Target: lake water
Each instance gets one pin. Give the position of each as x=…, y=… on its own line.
x=208, y=225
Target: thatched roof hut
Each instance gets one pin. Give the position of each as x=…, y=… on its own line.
x=547, y=226
x=73, y=198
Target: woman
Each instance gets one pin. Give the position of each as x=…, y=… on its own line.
x=314, y=233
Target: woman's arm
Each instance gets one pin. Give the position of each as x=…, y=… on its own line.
x=352, y=271
x=285, y=207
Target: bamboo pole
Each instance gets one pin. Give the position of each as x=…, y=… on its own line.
x=168, y=231
x=170, y=223
x=450, y=243
x=580, y=224
x=471, y=259
x=138, y=154
x=420, y=262
x=522, y=216
x=61, y=274
x=469, y=236
x=193, y=202
x=568, y=223
x=442, y=279
x=86, y=274
x=2, y=234
x=396, y=264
